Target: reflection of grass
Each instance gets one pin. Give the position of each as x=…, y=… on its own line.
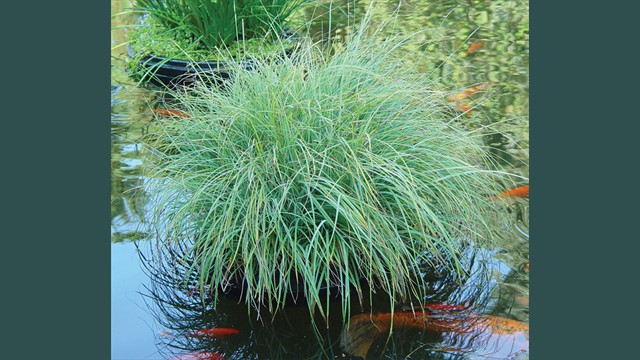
x=324, y=170
x=179, y=308
x=128, y=198
x=128, y=236
x=444, y=32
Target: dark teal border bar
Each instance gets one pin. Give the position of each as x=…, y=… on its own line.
x=55, y=171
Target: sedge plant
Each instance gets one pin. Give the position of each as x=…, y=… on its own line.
x=207, y=25
x=341, y=171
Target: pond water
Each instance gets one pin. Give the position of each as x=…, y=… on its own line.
x=466, y=43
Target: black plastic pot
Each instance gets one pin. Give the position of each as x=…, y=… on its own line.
x=174, y=72
x=171, y=73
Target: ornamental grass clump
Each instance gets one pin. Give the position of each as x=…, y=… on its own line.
x=176, y=38
x=340, y=171
x=214, y=24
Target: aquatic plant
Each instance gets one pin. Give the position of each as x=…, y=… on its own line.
x=212, y=24
x=342, y=171
x=176, y=38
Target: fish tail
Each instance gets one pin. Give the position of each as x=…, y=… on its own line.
x=356, y=339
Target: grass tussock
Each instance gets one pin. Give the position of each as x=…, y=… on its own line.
x=325, y=170
x=217, y=23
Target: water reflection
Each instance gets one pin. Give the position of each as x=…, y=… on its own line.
x=438, y=37
x=129, y=119
x=181, y=309
x=451, y=331
x=482, y=318
x=128, y=198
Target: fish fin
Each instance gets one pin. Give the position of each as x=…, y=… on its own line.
x=357, y=337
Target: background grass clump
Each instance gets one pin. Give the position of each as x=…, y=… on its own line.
x=323, y=169
x=196, y=26
x=148, y=38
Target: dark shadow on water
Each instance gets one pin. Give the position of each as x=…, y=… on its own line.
x=180, y=308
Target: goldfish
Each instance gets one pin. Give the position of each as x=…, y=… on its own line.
x=166, y=333
x=457, y=98
x=199, y=356
x=171, y=113
x=465, y=108
x=466, y=93
x=462, y=331
x=474, y=47
x=520, y=192
x=214, y=332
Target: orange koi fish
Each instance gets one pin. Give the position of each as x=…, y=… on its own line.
x=465, y=108
x=466, y=93
x=199, y=356
x=520, y=192
x=166, y=333
x=214, y=332
x=474, y=47
x=171, y=113
x=462, y=331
